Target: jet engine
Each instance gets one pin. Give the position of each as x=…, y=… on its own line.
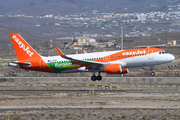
x=115, y=69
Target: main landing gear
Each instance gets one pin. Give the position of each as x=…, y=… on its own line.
x=152, y=73
x=94, y=77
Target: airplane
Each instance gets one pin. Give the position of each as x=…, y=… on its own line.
x=111, y=62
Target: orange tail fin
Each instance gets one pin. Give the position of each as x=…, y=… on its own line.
x=27, y=57
x=22, y=48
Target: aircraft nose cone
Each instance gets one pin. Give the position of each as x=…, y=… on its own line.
x=172, y=58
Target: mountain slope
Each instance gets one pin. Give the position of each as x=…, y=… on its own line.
x=32, y=37
x=31, y=7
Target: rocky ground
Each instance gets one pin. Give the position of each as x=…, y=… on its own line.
x=92, y=114
x=85, y=106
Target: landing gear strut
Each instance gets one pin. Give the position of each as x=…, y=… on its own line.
x=152, y=73
x=94, y=78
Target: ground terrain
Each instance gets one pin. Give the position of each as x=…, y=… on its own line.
x=76, y=106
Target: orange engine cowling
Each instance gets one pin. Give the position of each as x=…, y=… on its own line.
x=115, y=69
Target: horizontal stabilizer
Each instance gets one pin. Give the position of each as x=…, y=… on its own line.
x=27, y=64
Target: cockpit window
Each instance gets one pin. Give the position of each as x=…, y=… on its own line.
x=162, y=52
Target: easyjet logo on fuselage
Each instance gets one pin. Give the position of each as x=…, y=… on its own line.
x=134, y=52
x=21, y=45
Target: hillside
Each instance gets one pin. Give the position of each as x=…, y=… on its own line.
x=36, y=40
x=41, y=42
x=38, y=7
x=5, y=31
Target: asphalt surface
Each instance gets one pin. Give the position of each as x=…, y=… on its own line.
x=9, y=109
x=83, y=91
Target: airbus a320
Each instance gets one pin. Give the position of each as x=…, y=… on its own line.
x=111, y=62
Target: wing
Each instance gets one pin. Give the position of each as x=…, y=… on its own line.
x=88, y=64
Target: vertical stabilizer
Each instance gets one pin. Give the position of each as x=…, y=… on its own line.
x=22, y=48
x=27, y=57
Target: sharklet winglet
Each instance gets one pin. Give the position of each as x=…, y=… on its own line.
x=59, y=51
x=62, y=54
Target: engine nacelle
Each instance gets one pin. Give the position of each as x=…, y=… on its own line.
x=115, y=69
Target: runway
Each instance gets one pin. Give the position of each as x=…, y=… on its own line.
x=79, y=104
x=48, y=97
x=9, y=109
x=83, y=91
x=82, y=83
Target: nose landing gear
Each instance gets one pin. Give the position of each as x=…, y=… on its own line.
x=152, y=73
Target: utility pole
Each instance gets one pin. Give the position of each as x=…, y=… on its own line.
x=173, y=68
x=121, y=22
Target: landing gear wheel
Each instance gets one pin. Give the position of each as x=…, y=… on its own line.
x=99, y=77
x=153, y=73
x=93, y=78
